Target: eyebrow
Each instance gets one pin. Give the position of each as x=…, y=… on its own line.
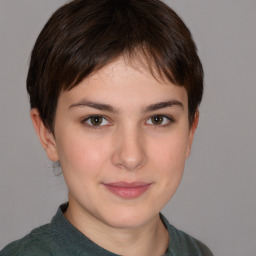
x=164, y=104
x=109, y=108
x=96, y=105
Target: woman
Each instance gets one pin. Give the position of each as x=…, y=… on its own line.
x=114, y=88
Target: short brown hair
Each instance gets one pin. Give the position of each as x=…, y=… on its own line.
x=83, y=36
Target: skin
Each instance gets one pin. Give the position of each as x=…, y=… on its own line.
x=142, y=134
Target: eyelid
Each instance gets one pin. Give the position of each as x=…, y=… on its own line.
x=84, y=121
x=167, y=122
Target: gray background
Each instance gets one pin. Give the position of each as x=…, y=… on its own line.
x=216, y=200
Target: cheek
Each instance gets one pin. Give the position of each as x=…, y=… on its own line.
x=167, y=166
x=169, y=157
x=80, y=154
x=170, y=151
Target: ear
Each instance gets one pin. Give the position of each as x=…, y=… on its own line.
x=192, y=133
x=45, y=136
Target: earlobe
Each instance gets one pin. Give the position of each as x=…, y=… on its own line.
x=192, y=133
x=45, y=136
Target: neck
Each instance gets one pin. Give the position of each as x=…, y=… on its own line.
x=148, y=239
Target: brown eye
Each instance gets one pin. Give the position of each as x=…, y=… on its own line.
x=157, y=120
x=96, y=120
x=160, y=120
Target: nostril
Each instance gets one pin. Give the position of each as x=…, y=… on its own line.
x=130, y=154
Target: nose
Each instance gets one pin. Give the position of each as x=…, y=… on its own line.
x=130, y=150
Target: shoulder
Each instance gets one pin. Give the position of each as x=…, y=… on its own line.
x=38, y=242
x=193, y=246
x=183, y=244
x=188, y=245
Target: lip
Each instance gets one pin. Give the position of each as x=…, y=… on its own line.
x=128, y=190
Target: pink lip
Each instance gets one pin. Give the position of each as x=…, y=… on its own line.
x=128, y=190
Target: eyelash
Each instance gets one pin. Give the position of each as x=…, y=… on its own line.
x=167, y=120
x=90, y=125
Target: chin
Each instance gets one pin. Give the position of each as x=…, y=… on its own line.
x=129, y=219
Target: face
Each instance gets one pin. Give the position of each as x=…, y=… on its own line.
x=122, y=138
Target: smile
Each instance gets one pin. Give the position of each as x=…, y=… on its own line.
x=128, y=190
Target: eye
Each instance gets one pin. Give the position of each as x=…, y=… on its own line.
x=96, y=121
x=159, y=120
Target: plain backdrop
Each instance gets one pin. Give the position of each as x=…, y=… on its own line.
x=216, y=199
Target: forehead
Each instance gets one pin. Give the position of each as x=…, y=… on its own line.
x=125, y=83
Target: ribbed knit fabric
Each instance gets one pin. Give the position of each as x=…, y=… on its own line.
x=60, y=238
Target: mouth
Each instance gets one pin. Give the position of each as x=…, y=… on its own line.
x=128, y=190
